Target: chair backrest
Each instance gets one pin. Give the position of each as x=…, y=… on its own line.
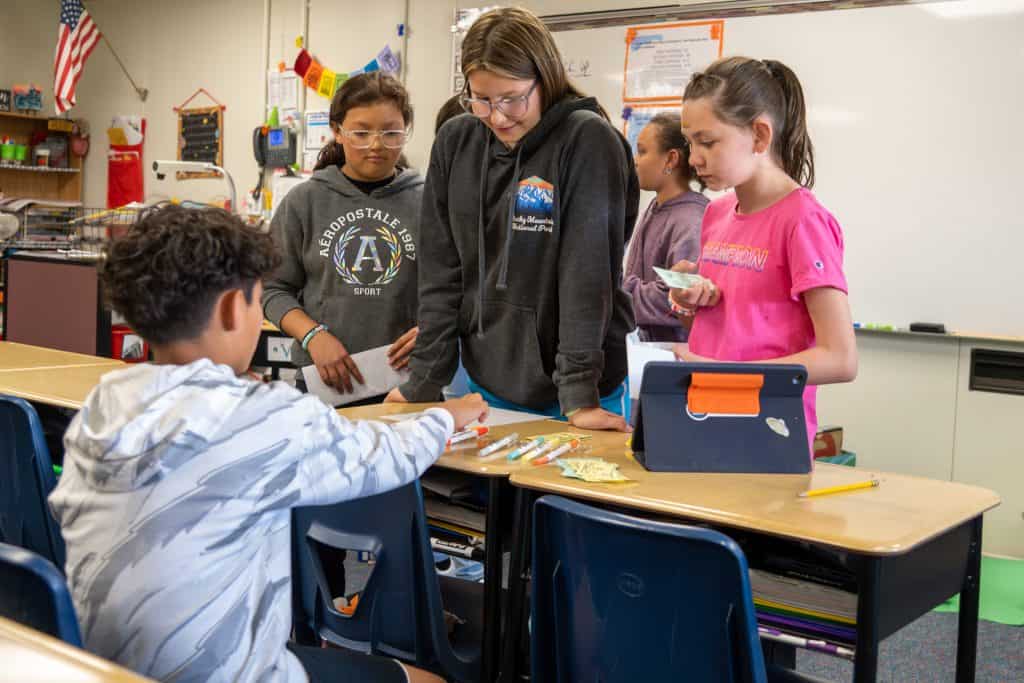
x=33, y=592
x=399, y=613
x=26, y=480
x=617, y=598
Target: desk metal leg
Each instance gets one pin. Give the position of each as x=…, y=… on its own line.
x=865, y=661
x=967, y=637
x=493, y=576
x=516, y=608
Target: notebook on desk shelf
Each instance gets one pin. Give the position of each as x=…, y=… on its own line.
x=722, y=417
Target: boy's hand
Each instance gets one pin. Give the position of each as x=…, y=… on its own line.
x=466, y=410
x=705, y=293
x=599, y=419
x=335, y=365
x=398, y=354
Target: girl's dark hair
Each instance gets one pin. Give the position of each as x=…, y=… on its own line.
x=669, y=134
x=514, y=43
x=362, y=91
x=448, y=110
x=741, y=89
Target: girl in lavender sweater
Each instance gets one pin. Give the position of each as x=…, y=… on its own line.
x=669, y=230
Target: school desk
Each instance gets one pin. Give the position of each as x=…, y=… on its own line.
x=911, y=542
x=29, y=655
x=15, y=356
x=495, y=470
x=64, y=387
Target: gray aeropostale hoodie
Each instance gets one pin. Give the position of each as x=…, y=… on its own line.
x=521, y=253
x=349, y=260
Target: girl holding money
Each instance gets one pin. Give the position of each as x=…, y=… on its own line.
x=772, y=287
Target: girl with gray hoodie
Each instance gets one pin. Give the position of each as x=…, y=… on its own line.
x=348, y=239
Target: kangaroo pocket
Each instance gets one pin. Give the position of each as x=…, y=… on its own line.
x=507, y=361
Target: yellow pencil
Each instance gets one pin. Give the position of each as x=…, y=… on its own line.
x=871, y=483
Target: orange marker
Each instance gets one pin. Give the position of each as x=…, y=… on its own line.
x=565, y=448
x=465, y=434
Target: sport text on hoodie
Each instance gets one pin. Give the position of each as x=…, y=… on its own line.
x=175, y=505
x=521, y=260
x=348, y=259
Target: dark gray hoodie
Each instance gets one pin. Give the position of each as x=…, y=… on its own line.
x=542, y=227
x=349, y=260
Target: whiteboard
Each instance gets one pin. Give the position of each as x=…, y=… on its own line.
x=917, y=117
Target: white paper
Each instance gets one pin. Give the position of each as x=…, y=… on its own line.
x=282, y=89
x=378, y=374
x=280, y=186
x=317, y=131
x=660, y=60
x=496, y=417
x=639, y=354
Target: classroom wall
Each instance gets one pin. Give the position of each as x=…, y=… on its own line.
x=25, y=57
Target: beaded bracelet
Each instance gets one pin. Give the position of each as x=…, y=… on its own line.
x=312, y=333
x=680, y=310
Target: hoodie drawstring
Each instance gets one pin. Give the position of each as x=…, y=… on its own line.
x=503, y=272
x=481, y=255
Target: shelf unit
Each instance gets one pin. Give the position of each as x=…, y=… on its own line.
x=31, y=181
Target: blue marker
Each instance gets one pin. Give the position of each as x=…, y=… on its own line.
x=518, y=452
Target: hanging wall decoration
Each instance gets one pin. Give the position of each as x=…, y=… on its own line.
x=326, y=82
x=200, y=135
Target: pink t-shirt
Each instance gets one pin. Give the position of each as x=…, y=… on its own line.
x=763, y=262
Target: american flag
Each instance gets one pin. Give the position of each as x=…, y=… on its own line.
x=75, y=42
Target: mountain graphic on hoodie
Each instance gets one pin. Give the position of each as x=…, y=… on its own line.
x=535, y=197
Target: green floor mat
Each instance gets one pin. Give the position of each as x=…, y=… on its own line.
x=1002, y=592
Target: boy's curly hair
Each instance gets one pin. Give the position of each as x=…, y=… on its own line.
x=166, y=273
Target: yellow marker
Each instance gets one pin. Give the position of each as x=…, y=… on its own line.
x=871, y=483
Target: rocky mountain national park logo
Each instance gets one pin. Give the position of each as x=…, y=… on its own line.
x=535, y=203
x=368, y=259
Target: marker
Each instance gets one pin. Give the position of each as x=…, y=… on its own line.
x=498, y=445
x=466, y=434
x=532, y=455
x=522, y=450
x=571, y=446
x=870, y=483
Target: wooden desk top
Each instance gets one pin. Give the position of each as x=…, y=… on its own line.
x=463, y=457
x=29, y=655
x=15, y=356
x=901, y=513
x=65, y=387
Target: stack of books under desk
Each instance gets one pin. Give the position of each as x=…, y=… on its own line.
x=454, y=513
x=803, y=596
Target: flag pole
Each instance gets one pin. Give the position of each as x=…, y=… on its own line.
x=142, y=92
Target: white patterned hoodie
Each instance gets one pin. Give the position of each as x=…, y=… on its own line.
x=175, y=506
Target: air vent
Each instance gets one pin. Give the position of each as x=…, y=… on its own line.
x=1001, y=372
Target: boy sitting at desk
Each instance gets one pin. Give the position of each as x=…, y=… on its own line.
x=179, y=475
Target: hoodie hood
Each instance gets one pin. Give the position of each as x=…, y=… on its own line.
x=336, y=180
x=140, y=423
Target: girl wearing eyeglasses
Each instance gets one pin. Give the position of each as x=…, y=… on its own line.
x=348, y=237
x=527, y=205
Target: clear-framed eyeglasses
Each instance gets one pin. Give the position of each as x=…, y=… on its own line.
x=363, y=139
x=512, y=107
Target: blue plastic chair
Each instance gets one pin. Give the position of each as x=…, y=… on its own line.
x=33, y=592
x=400, y=611
x=617, y=598
x=26, y=480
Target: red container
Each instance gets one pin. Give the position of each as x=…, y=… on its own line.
x=126, y=345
